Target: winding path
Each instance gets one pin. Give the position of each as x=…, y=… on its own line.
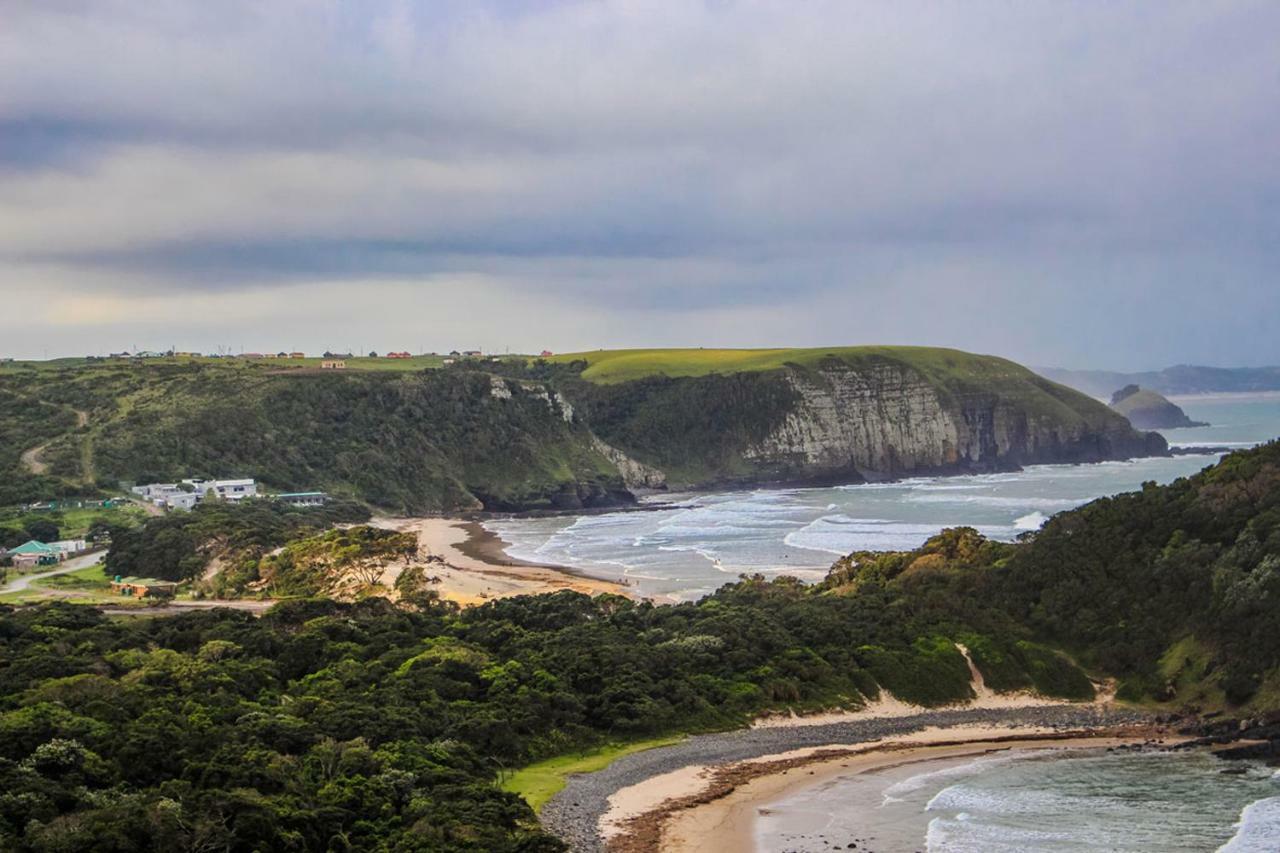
x=22, y=582
x=32, y=462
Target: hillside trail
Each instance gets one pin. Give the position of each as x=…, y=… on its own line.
x=32, y=462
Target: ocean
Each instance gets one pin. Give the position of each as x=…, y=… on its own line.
x=695, y=543
x=1026, y=801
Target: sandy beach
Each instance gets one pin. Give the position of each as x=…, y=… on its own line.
x=707, y=822
x=689, y=795
x=475, y=568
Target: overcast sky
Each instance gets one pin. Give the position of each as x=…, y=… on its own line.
x=1073, y=184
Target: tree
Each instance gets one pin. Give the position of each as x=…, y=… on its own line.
x=42, y=530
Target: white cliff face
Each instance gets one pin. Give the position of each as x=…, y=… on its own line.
x=635, y=474
x=890, y=420
x=872, y=420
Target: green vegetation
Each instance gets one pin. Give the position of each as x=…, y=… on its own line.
x=181, y=546
x=90, y=578
x=539, y=782
x=511, y=434
x=17, y=526
x=370, y=726
x=383, y=726
x=353, y=558
x=84, y=586
x=409, y=440
x=936, y=363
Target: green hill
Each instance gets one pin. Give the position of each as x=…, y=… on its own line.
x=946, y=365
x=565, y=433
x=392, y=727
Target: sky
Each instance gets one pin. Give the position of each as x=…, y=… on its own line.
x=1090, y=185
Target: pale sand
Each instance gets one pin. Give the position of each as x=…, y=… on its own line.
x=475, y=569
x=728, y=823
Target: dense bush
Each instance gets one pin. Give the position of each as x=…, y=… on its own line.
x=180, y=545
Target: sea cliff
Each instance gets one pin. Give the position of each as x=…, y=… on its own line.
x=578, y=432
x=852, y=416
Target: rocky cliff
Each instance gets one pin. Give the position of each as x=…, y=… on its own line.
x=891, y=420
x=846, y=419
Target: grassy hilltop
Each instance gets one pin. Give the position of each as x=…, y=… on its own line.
x=625, y=365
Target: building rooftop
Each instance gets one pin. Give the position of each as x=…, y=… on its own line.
x=34, y=547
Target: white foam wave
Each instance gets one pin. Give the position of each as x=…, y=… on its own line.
x=920, y=781
x=1031, y=521
x=997, y=501
x=971, y=800
x=1258, y=830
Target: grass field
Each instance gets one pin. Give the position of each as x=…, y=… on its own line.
x=609, y=366
x=539, y=782
x=74, y=523
x=89, y=578
x=90, y=585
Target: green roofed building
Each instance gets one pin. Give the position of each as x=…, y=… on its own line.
x=33, y=553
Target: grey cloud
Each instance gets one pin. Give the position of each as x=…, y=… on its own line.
x=668, y=168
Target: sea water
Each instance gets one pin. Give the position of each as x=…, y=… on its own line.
x=1023, y=801
x=697, y=543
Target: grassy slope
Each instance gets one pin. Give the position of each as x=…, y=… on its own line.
x=607, y=366
x=399, y=436
x=539, y=782
x=953, y=372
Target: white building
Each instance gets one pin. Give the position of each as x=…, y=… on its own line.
x=190, y=492
x=230, y=490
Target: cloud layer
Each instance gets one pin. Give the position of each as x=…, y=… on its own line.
x=1083, y=184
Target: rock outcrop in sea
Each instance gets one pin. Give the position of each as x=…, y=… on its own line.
x=1146, y=409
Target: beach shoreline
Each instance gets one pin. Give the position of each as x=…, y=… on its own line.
x=722, y=817
x=632, y=800
x=472, y=566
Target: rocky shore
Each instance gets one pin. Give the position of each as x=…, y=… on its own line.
x=574, y=813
